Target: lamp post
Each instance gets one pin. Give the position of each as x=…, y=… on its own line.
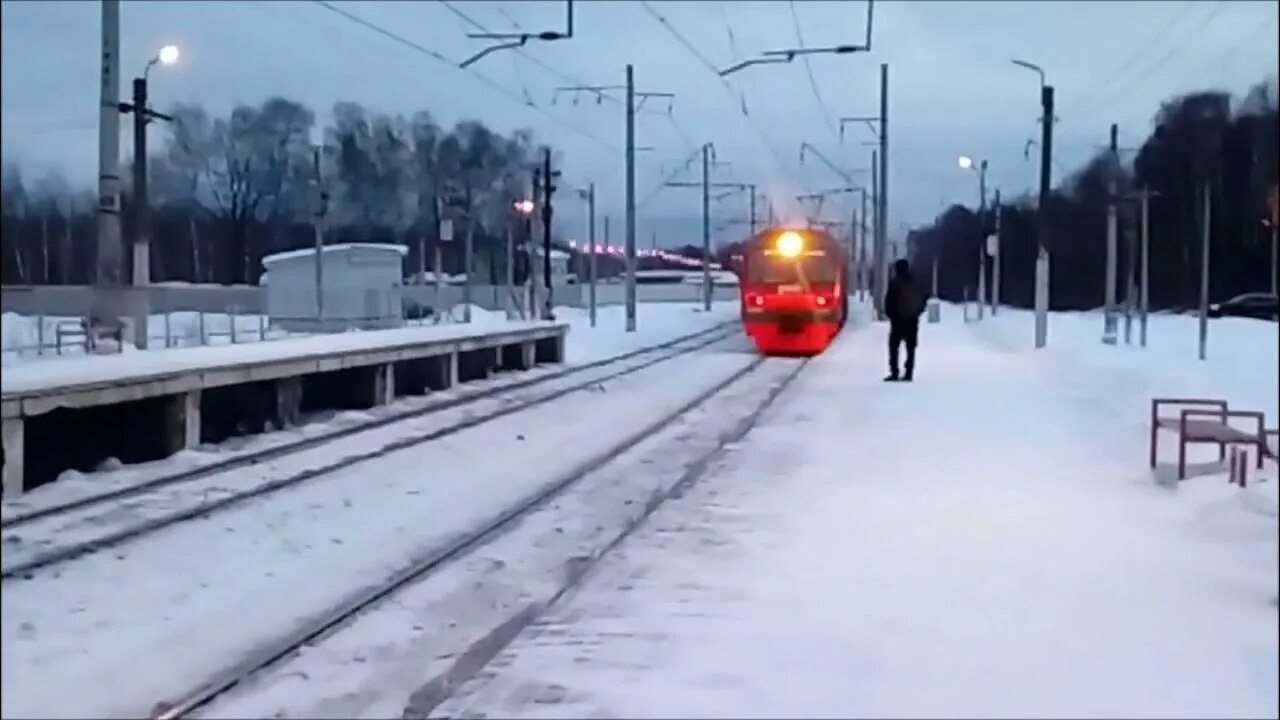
x=142, y=115
x=966, y=163
x=1046, y=157
x=524, y=208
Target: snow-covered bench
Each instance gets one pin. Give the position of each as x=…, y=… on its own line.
x=1202, y=421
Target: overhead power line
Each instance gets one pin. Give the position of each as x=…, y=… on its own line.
x=808, y=68
x=498, y=87
x=710, y=66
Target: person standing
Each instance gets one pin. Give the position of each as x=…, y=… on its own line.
x=904, y=303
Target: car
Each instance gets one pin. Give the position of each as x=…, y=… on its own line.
x=1260, y=306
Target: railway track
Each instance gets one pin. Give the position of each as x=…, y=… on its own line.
x=419, y=570
x=509, y=398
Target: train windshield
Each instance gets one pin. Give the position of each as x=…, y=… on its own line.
x=775, y=270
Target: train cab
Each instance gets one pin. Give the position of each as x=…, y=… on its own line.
x=794, y=290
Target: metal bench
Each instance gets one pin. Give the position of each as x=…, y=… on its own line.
x=1201, y=421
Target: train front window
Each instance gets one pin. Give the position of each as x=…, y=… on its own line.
x=775, y=270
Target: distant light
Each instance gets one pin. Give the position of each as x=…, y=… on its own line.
x=168, y=54
x=966, y=162
x=524, y=207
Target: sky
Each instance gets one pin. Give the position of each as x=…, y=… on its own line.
x=952, y=87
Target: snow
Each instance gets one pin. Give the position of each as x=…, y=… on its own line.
x=97, y=637
x=657, y=324
x=23, y=342
x=986, y=541
x=135, y=365
x=338, y=248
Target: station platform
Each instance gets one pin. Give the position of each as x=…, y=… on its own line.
x=986, y=541
x=166, y=392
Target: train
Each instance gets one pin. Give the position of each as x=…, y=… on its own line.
x=794, y=290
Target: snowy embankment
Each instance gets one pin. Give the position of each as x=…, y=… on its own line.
x=656, y=324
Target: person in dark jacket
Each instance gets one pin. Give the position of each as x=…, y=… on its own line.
x=904, y=302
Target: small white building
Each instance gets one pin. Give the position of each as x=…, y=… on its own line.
x=361, y=287
x=561, y=273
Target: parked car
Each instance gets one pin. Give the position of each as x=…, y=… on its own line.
x=1260, y=306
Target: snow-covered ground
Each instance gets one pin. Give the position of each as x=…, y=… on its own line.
x=656, y=324
x=76, y=639
x=986, y=542
x=652, y=322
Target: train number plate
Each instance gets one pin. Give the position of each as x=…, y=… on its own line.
x=790, y=289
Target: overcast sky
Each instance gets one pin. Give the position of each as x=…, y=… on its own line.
x=952, y=87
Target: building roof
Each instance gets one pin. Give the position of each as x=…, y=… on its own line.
x=340, y=247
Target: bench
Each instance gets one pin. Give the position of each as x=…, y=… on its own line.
x=1206, y=422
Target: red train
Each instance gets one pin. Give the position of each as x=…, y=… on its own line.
x=794, y=284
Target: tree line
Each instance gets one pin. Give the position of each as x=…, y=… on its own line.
x=225, y=191
x=1199, y=140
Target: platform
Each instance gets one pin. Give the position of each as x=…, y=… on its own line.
x=181, y=384
x=984, y=542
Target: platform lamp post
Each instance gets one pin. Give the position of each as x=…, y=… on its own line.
x=142, y=116
x=524, y=208
x=966, y=163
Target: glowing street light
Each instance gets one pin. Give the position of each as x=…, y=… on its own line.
x=524, y=207
x=966, y=162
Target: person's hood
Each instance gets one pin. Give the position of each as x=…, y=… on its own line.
x=902, y=269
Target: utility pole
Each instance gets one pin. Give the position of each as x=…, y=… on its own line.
x=1143, y=262
x=590, y=195
x=982, y=250
x=548, y=188
x=882, y=193
x=108, y=290
x=321, y=207
x=468, y=261
x=1206, y=214
x=630, y=169
x=631, y=200
x=1109, y=296
x=706, y=227
x=877, y=296
x=1042, y=218
x=995, y=259
x=752, y=214
x=864, y=276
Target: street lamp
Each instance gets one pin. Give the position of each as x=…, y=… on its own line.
x=168, y=55
x=142, y=115
x=1046, y=157
x=966, y=163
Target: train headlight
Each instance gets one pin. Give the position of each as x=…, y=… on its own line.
x=790, y=244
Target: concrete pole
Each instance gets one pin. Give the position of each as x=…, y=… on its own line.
x=548, y=187
x=995, y=261
x=508, y=302
x=468, y=262
x=1042, y=213
x=882, y=193
x=1109, y=296
x=1144, y=304
x=591, y=248
x=877, y=296
x=319, y=236
x=706, y=227
x=862, y=244
x=982, y=243
x=108, y=282
x=752, y=217
x=631, y=200
x=1204, y=272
